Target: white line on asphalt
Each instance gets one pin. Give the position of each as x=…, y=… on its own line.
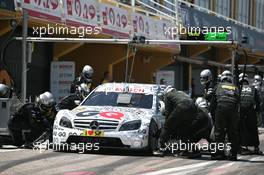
x=9, y=150
x=9, y=146
x=194, y=167
x=259, y=158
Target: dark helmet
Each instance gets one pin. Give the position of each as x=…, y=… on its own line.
x=4, y=91
x=46, y=101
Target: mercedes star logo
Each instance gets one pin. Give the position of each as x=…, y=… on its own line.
x=94, y=125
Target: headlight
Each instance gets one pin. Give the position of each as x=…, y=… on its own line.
x=133, y=125
x=65, y=122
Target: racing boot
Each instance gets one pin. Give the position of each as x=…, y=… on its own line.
x=257, y=151
x=232, y=157
x=194, y=155
x=220, y=155
x=245, y=151
x=159, y=153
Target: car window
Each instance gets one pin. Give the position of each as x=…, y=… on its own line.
x=138, y=100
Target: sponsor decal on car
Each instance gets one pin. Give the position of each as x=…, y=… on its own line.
x=112, y=115
x=93, y=133
x=108, y=114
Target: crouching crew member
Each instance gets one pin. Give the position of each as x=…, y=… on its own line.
x=182, y=119
x=32, y=120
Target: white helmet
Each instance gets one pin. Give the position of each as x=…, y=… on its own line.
x=201, y=102
x=169, y=89
x=4, y=91
x=241, y=77
x=87, y=71
x=226, y=76
x=257, y=80
x=205, y=77
x=219, y=78
x=165, y=91
x=46, y=101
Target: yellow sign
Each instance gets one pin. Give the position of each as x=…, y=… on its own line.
x=93, y=133
x=229, y=87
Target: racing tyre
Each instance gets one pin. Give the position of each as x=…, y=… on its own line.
x=153, y=138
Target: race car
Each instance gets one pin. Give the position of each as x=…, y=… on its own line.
x=114, y=115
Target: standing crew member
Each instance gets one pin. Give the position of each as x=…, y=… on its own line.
x=258, y=83
x=249, y=105
x=85, y=77
x=207, y=82
x=225, y=106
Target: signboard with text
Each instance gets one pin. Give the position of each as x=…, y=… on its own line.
x=62, y=74
x=114, y=20
x=165, y=78
x=81, y=12
x=45, y=9
x=143, y=25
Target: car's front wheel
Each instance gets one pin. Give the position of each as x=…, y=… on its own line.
x=153, y=138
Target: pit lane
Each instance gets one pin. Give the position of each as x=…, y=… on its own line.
x=28, y=161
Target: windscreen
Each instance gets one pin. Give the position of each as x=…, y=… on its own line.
x=113, y=99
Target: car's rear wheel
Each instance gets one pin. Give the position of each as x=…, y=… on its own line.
x=153, y=138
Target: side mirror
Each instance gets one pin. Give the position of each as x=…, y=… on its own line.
x=77, y=102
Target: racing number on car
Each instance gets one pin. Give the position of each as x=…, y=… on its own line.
x=114, y=115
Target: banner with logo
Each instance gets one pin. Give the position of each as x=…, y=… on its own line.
x=81, y=12
x=62, y=73
x=114, y=20
x=45, y=9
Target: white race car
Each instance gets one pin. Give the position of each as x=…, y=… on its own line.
x=114, y=115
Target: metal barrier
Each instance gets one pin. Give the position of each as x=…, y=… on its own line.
x=4, y=115
x=171, y=9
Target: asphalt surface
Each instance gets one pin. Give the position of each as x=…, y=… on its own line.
x=115, y=162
